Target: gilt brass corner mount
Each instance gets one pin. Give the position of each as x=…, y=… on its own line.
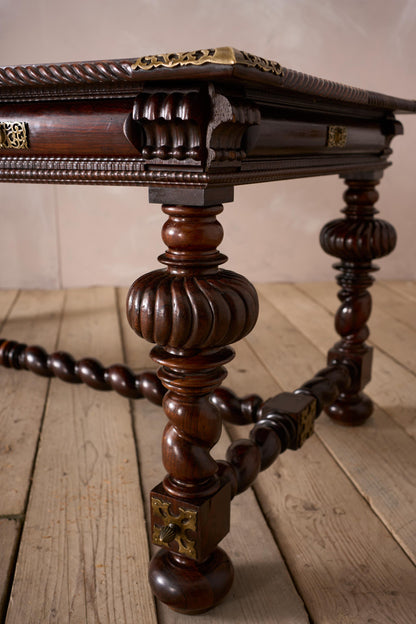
x=218, y=56
x=183, y=521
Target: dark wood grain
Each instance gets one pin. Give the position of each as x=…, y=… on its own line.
x=212, y=578
x=119, y=72
x=117, y=377
x=78, y=128
x=201, y=126
x=89, y=371
x=191, y=131
x=283, y=422
x=356, y=240
x=192, y=310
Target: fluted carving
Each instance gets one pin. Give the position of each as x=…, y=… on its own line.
x=195, y=124
x=193, y=304
x=356, y=241
x=169, y=125
x=168, y=309
x=359, y=237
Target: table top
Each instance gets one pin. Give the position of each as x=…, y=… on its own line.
x=224, y=63
x=210, y=118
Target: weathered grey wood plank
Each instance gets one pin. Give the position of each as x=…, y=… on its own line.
x=393, y=385
x=34, y=319
x=262, y=590
x=394, y=337
x=346, y=565
x=404, y=288
x=84, y=552
x=9, y=528
x=394, y=304
x=7, y=298
x=379, y=456
x=9, y=535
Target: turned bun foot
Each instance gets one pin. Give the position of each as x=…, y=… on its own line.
x=351, y=411
x=188, y=586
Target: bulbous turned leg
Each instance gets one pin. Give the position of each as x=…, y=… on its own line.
x=192, y=310
x=356, y=240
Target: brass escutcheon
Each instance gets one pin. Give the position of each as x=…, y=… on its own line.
x=174, y=527
x=13, y=135
x=337, y=136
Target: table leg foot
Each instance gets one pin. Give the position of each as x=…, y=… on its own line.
x=351, y=410
x=188, y=586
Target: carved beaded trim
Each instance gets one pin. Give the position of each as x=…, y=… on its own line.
x=185, y=520
x=219, y=56
x=13, y=135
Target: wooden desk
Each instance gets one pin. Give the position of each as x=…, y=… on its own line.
x=191, y=126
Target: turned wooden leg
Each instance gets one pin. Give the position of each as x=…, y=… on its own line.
x=192, y=310
x=356, y=240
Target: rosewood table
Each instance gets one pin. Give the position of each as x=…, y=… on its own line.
x=190, y=126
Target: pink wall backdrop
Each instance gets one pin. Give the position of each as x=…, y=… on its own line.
x=57, y=236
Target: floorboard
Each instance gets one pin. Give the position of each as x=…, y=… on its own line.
x=393, y=336
x=9, y=536
x=338, y=550
x=84, y=552
x=7, y=299
x=396, y=305
x=35, y=318
x=393, y=385
x=29, y=317
x=327, y=534
x=404, y=288
x=379, y=457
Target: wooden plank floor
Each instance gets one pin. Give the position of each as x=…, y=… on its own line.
x=327, y=535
